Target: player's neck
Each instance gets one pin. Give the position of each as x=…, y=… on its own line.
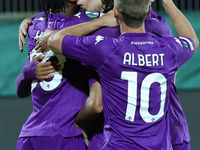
x=125, y=29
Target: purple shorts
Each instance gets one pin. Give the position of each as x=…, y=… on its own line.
x=183, y=146
x=51, y=143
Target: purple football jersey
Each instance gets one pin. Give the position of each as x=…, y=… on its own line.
x=56, y=101
x=158, y=27
x=179, y=130
x=136, y=74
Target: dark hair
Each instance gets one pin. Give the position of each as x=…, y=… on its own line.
x=107, y=5
x=54, y=6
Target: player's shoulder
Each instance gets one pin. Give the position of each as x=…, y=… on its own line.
x=153, y=17
x=39, y=17
x=54, y=17
x=89, y=14
x=92, y=14
x=39, y=22
x=85, y=16
x=57, y=21
x=177, y=43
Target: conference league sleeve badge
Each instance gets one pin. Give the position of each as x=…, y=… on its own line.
x=92, y=14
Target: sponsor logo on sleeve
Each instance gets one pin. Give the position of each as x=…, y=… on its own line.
x=187, y=43
x=92, y=14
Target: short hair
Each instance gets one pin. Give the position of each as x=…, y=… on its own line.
x=107, y=5
x=133, y=12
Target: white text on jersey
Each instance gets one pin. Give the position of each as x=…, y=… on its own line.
x=143, y=60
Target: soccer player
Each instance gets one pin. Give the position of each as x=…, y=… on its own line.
x=136, y=71
x=56, y=101
x=157, y=26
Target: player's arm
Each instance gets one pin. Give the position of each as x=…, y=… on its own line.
x=55, y=40
x=93, y=106
x=34, y=70
x=22, y=82
x=23, y=31
x=42, y=41
x=181, y=24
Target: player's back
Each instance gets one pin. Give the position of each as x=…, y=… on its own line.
x=136, y=73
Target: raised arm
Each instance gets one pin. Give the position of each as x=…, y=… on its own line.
x=82, y=29
x=181, y=24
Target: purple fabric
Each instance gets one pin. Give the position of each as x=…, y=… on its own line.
x=183, y=146
x=51, y=143
x=157, y=26
x=36, y=29
x=42, y=14
x=140, y=59
x=57, y=21
x=21, y=79
x=29, y=70
x=56, y=101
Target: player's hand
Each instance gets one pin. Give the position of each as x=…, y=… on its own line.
x=44, y=70
x=23, y=30
x=109, y=19
x=85, y=137
x=42, y=42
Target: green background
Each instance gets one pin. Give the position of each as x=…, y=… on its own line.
x=12, y=61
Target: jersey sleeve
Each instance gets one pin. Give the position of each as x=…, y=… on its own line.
x=57, y=21
x=42, y=14
x=184, y=49
x=157, y=26
x=36, y=29
x=27, y=75
x=92, y=50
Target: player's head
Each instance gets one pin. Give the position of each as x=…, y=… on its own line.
x=132, y=12
x=96, y=5
x=56, y=6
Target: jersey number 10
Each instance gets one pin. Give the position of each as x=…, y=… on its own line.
x=131, y=77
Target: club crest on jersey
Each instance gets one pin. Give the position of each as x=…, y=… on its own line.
x=92, y=14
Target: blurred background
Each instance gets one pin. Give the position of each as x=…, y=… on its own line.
x=14, y=111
